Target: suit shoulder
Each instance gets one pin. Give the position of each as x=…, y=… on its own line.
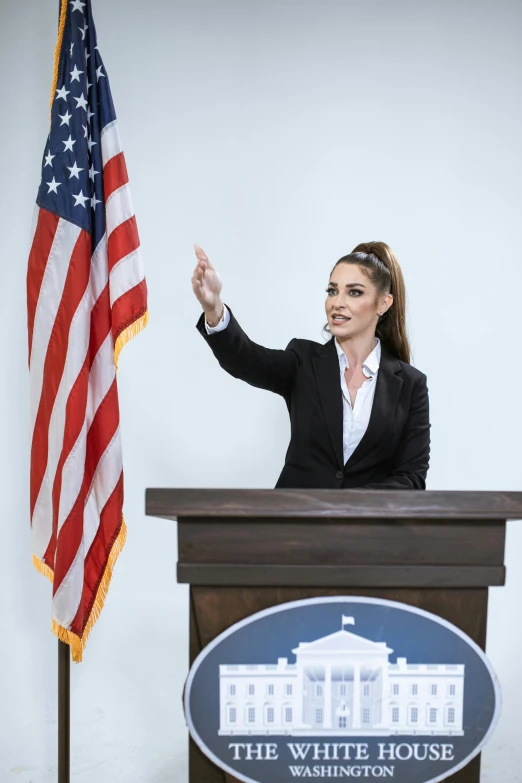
x=302, y=346
x=412, y=372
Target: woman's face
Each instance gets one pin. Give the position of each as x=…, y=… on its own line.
x=351, y=303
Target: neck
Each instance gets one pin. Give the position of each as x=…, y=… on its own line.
x=357, y=348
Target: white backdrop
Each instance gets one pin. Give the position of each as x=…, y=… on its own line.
x=277, y=135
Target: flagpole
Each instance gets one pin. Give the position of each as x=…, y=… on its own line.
x=64, y=676
x=64, y=712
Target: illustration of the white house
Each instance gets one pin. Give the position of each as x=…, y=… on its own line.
x=341, y=685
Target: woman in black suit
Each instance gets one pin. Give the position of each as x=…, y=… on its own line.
x=359, y=411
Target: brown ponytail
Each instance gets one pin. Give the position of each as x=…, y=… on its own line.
x=385, y=273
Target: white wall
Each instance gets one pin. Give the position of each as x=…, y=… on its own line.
x=277, y=135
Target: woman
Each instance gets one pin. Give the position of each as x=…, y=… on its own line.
x=359, y=411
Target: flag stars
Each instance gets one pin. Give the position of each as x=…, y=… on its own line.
x=53, y=186
x=75, y=74
x=65, y=118
x=80, y=199
x=75, y=171
x=62, y=93
x=77, y=5
x=81, y=102
x=69, y=143
x=83, y=63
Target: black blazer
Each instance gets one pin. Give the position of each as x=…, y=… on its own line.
x=394, y=451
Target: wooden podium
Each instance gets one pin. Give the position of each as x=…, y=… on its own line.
x=242, y=551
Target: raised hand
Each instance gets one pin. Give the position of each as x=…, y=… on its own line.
x=207, y=285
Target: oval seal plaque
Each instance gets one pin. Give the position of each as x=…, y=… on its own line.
x=342, y=688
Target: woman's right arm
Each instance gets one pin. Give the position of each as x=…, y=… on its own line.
x=265, y=368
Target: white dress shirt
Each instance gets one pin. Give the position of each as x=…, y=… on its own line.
x=356, y=419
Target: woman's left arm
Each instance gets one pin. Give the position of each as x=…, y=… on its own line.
x=412, y=458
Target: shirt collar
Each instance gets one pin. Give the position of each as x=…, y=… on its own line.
x=371, y=363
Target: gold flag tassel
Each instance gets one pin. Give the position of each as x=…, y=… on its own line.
x=126, y=336
x=75, y=642
x=43, y=568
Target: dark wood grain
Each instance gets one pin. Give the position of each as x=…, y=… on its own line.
x=340, y=576
x=64, y=712
x=217, y=608
x=332, y=503
x=320, y=553
x=341, y=542
x=201, y=769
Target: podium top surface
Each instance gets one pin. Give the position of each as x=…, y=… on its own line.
x=332, y=503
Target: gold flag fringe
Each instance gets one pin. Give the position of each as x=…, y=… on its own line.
x=128, y=333
x=58, y=48
x=75, y=642
x=43, y=568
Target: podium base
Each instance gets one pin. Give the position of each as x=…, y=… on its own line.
x=214, y=609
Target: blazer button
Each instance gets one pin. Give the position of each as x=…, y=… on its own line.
x=339, y=474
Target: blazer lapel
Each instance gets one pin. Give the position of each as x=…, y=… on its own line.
x=327, y=373
x=387, y=391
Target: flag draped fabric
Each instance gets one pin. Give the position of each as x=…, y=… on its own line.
x=86, y=297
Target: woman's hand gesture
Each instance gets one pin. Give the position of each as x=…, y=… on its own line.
x=207, y=285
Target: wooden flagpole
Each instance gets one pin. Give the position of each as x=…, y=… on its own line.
x=64, y=657
x=64, y=712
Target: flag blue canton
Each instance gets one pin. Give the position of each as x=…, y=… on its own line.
x=72, y=166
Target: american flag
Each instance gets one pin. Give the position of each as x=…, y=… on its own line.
x=86, y=297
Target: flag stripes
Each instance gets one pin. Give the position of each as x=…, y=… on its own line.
x=86, y=297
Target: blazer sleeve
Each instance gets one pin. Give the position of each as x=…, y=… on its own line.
x=412, y=458
x=266, y=368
